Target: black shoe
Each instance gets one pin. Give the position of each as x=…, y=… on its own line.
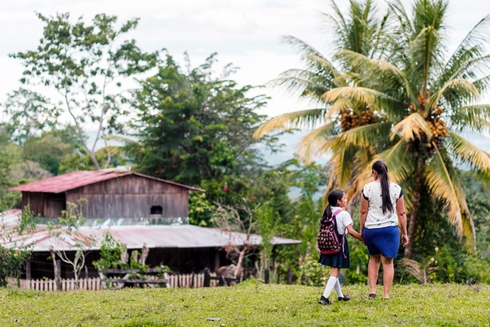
x=324, y=301
x=345, y=298
x=372, y=295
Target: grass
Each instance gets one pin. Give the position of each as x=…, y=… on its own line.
x=249, y=304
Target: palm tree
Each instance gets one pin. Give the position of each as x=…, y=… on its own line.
x=422, y=99
x=362, y=31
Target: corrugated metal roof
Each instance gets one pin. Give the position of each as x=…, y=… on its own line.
x=66, y=182
x=154, y=236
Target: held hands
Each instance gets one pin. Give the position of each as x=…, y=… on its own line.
x=404, y=240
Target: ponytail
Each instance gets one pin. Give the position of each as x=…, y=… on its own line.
x=333, y=197
x=382, y=170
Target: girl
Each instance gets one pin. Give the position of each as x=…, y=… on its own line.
x=336, y=201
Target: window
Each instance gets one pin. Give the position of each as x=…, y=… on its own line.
x=156, y=210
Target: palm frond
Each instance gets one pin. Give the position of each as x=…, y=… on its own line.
x=469, y=153
x=366, y=136
x=476, y=117
x=356, y=94
x=299, y=119
x=411, y=127
x=463, y=86
x=310, y=144
x=399, y=160
x=443, y=183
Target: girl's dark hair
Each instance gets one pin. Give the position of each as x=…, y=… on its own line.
x=382, y=170
x=333, y=197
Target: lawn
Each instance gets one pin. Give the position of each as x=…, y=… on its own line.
x=249, y=304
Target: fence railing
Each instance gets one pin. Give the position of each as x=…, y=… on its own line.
x=95, y=284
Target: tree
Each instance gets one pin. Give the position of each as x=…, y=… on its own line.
x=86, y=64
x=364, y=30
x=29, y=112
x=418, y=99
x=428, y=97
x=68, y=230
x=192, y=126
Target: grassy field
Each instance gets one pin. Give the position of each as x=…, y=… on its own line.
x=249, y=304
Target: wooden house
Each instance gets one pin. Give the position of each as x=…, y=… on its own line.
x=109, y=195
x=136, y=209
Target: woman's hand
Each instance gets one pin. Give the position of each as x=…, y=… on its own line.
x=405, y=240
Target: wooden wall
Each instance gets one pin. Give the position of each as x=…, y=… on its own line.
x=131, y=197
x=45, y=204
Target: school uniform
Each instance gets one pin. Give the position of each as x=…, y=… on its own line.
x=340, y=259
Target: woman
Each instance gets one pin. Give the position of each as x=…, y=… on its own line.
x=379, y=225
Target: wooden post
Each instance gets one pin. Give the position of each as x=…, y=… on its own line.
x=58, y=275
x=278, y=278
x=267, y=276
x=28, y=270
x=216, y=260
x=289, y=279
x=192, y=281
x=207, y=278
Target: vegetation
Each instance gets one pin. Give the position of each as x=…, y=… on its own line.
x=249, y=304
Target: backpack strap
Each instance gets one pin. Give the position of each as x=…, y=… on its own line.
x=336, y=230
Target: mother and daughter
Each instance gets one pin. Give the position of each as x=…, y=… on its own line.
x=382, y=214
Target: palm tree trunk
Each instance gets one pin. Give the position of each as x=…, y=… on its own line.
x=415, y=206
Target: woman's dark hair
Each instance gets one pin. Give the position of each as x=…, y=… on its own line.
x=382, y=170
x=333, y=197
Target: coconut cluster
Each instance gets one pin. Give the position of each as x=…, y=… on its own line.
x=438, y=129
x=350, y=119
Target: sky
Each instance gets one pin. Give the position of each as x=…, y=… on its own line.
x=246, y=33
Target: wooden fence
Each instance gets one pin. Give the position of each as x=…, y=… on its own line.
x=95, y=284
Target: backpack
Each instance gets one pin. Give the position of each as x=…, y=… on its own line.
x=329, y=241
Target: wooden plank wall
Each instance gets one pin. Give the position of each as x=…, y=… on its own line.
x=38, y=202
x=131, y=197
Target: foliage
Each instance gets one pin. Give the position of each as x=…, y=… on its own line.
x=250, y=304
x=87, y=64
x=29, y=112
x=50, y=149
x=193, y=126
x=312, y=273
x=14, y=250
x=110, y=253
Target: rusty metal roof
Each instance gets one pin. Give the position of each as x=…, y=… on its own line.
x=66, y=182
x=154, y=236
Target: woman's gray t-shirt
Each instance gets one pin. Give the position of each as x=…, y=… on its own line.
x=375, y=217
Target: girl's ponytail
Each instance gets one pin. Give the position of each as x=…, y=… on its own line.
x=333, y=197
x=382, y=170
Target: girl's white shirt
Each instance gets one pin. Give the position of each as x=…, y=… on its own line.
x=343, y=220
x=375, y=217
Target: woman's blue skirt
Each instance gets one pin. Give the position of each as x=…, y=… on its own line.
x=384, y=241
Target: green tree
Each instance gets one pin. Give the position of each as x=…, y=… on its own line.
x=192, y=126
x=29, y=112
x=87, y=64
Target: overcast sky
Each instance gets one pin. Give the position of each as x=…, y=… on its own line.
x=244, y=32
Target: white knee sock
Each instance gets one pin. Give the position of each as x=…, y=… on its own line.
x=337, y=289
x=330, y=285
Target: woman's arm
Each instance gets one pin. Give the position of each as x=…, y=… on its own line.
x=402, y=219
x=364, y=212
